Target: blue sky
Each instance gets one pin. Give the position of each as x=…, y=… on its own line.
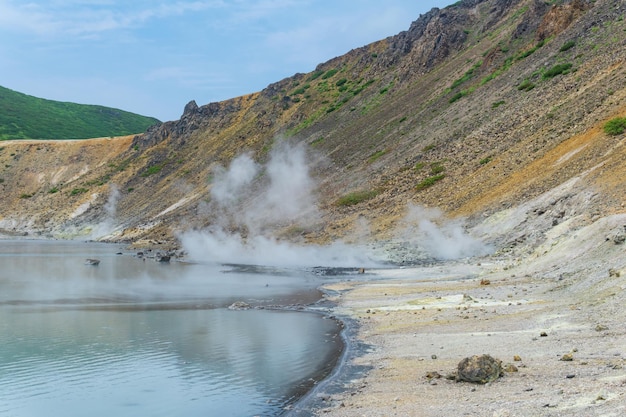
x=153, y=56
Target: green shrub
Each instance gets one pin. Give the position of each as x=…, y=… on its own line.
x=568, y=45
x=301, y=90
x=526, y=85
x=557, y=70
x=373, y=157
x=23, y=196
x=456, y=97
x=53, y=190
x=497, y=104
x=322, y=87
x=615, y=126
x=356, y=198
x=429, y=182
x=315, y=75
x=526, y=54
x=486, y=160
x=529, y=52
x=77, y=191
x=330, y=73
x=154, y=169
x=467, y=76
x=436, y=168
x=341, y=82
x=358, y=90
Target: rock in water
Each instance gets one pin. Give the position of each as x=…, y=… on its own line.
x=239, y=305
x=479, y=369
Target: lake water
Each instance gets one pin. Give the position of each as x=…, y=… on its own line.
x=134, y=337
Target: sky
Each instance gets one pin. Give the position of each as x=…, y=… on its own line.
x=154, y=56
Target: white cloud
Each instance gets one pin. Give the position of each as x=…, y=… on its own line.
x=27, y=18
x=88, y=19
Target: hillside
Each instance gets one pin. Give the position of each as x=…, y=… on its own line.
x=474, y=109
x=27, y=117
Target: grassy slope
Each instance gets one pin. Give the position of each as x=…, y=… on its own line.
x=27, y=117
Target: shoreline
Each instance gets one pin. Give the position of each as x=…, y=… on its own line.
x=419, y=323
x=342, y=372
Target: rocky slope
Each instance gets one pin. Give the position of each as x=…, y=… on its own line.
x=476, y=108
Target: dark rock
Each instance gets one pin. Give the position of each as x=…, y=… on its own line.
x=190, y=108
x=433, y=375
x=479, y=369
x=162, y=257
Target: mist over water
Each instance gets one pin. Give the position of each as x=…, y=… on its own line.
x=221, y=247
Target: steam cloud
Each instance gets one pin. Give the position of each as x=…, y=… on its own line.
x=446, y=241
x=250, y=201
x=107, y=226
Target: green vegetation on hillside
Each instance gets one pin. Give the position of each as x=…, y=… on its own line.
x=615, y=126
x=28, y=117
x=356, y=197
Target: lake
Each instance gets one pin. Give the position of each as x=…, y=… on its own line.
x=135, y=337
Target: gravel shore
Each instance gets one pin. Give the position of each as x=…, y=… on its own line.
x=554, y=317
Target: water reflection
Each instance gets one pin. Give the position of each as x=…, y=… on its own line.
x=130, y=337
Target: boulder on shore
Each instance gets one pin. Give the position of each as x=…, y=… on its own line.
x=479, y=369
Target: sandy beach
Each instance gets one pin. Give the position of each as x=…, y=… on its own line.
x=555, y=318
